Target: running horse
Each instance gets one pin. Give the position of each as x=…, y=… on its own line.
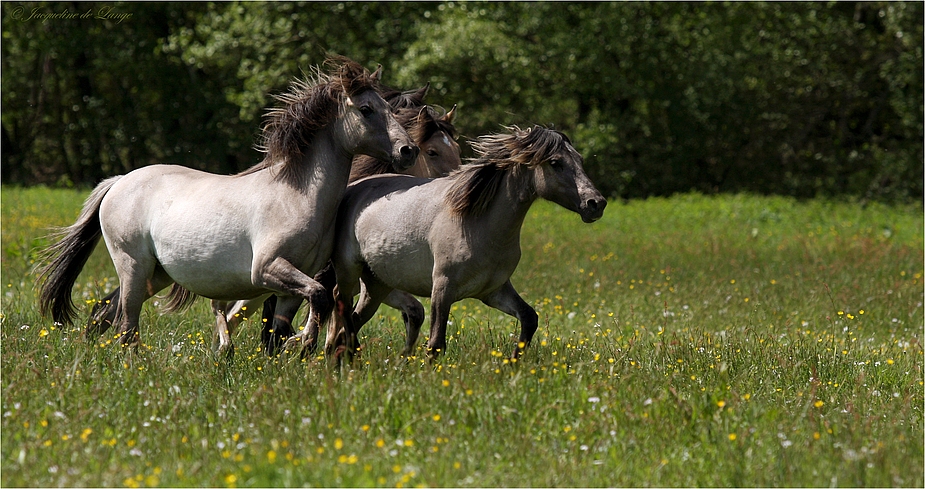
x=228, y=237
x=435, y=135
x=452, y=238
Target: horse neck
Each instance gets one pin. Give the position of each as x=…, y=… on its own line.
x=325, y=172
x=505, y=216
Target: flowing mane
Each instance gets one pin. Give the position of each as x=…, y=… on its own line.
x=405, y=100
x=309, y=105
x=477, y=183
x=421, y=123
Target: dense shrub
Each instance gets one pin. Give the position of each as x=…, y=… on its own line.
x=801, y=99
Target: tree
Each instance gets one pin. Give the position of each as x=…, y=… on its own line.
x=256, y=49
x=802, y=99
x=75, y=112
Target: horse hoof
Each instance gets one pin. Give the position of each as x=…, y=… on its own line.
x=351, y=354
x=295, y=344
x=226, y=352
x=292, y=344
x=130, y=340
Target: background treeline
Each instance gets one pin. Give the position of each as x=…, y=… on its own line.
x=802, y=99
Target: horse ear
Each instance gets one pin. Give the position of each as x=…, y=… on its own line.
x=377, y=75
x=449, y=115
x=422, y=92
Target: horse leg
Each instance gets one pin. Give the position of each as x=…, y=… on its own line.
x=328, y=279
x=221, y=338
x=372, y=293
x=308, y=333
x=345, y=319
x=309, y=330
x=339, y=327
x=441, y=298
x=139, y=281
x=507, y=300
x=228, y=316
x=282, y=276
x=241, y=310
x=412, y=313
x=102, y=316
x=278, y=313
x=272, y=332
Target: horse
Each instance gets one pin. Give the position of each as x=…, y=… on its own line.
x=439, y=154
x=454, y=237
x=227, y=237
x=435, y=136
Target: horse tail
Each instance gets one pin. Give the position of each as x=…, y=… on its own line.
x=178, y=298
x=65, y=259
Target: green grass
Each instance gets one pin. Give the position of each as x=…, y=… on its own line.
x=690, y=341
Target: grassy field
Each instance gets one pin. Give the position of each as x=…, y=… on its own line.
x=690, y=341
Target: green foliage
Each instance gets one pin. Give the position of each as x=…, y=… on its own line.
x=801, y=99
x=259, y=47
x=686, y=341
x=93, y=96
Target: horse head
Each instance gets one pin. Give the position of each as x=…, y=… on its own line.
x=436, y=136
x=344, y=99
x=409, y=99
x=545, y=164
x=370, y=128
x=559, y=175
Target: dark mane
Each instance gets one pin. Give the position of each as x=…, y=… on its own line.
x=309, y=105
x=409, y=99
x=477, y=183
x=420, y=122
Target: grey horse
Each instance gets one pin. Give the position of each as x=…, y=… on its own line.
x=452, y=238
x=227, y=237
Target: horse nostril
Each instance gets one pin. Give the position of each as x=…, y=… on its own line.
x=408, y=152
x=596, y=206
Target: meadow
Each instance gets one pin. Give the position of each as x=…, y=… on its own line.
x=687, y=341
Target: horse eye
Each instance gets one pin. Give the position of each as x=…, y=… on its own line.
x=432, y=153
x=555, y=162
x=366, y=110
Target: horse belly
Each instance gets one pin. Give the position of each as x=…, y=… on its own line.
x=210, y=255
x=209, y=270
x=410, y=271
x=214, y=281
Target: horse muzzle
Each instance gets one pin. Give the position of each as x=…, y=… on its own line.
x=405, y=157
x=593, y=209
